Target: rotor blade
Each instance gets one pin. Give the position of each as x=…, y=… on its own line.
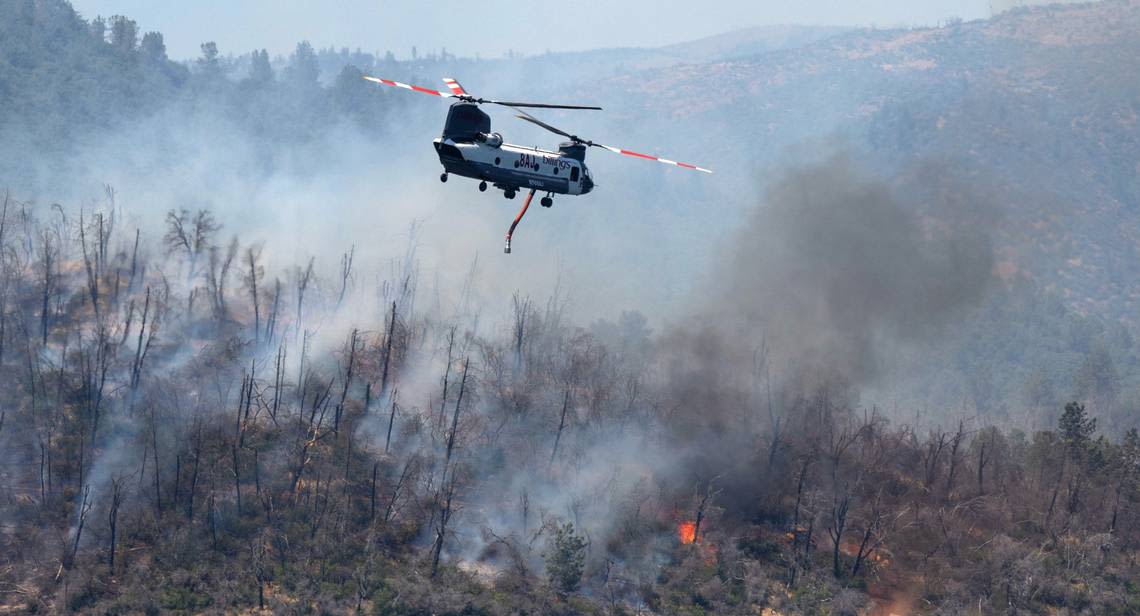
x=540, y=105
x=557, y=131
x=405, y=86
x=649, y=157
x=454, y=86
x=533, y=120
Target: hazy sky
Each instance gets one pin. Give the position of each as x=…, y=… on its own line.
x=491, y=27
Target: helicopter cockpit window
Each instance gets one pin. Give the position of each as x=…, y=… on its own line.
x=573, y=174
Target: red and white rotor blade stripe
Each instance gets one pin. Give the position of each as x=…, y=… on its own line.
x=656, y=158
x=454, y=86
x=405, y=86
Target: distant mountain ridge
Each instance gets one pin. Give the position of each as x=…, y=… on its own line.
x=1042, y=102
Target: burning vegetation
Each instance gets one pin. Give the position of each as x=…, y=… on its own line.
x=179, y=410
x=687, y=532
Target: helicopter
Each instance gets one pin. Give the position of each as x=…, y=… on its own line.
x=468, y=148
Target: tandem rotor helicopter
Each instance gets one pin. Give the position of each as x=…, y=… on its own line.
x=469, y=149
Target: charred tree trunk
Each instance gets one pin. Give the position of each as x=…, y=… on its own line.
x=134, y=262
x=140, y=348
x=48, y=258
x=561, y=425
x=347, y=382
x=388, y=351
x=391, y=507
x=113, y=519
x=84, y=509
x=441, y=530
x=839, y=510
x=955, y=443
x=157, y=468
x=372, y=494
x=345, y=274
x=303, y=279
x=271, y=320
x=701, y=510
x=391, y=421
x=194, y=473
x=455, y=421
x=253, y=282
x=278, y=381
x=446, y=374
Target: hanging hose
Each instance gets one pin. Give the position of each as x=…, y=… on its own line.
x=522, y=212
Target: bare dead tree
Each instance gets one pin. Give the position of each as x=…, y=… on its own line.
x=157, y=466
x=391, y=420
x=363, y=575
x=455, y=420
x=372, y=492
x=257, y=551
x=194, y=473
x=840, y=506
x=445, y=511
x=405, y=474
x=190, y=235
x=134, y=261
x=312, y=433
x=345, y=274
x=304, y=277
x=239, y=436
x=278, y=381
x=218, y=274
x=271, y=321
x=702, y=508
x=388, y=351
x=84, y=508
x=90, y=266
x=254, y=273
x=113, y=521
x=145, y=339
x=931, y=455
x=762, y=364
x=348, y=375
x=561, y=424
x=521, y=313
x=49, y=254
x=870, y=530
x=446, y=374
x=94, y=364
x=955, y=445
x=800, y=558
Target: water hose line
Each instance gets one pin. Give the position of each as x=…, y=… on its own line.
x=522, y=212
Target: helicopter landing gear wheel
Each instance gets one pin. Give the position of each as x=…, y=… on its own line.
x=547, y=202
x=482, y=187
x=443, y=177
x=510, y=194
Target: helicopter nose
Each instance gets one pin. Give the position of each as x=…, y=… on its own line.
x=587, y=185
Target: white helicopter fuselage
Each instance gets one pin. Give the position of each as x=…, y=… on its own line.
x=513, y=167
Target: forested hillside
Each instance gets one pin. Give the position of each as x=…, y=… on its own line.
x=190, y=428
x=67, y=85
x=1040, y=102
x=260, y=383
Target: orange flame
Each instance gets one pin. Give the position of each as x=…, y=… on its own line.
x=687, y=531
